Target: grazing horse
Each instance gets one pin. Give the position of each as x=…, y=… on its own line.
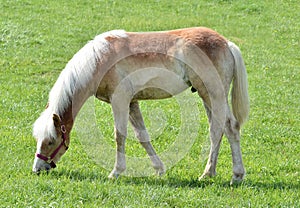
x=122, y=68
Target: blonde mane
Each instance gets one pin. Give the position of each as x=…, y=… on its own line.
x=76, y=75
x=79, y=70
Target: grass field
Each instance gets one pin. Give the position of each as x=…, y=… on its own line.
x=38, y=37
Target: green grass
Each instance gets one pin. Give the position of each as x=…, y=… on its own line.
x=38, y=37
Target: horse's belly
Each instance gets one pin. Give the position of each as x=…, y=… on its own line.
x=151, y=94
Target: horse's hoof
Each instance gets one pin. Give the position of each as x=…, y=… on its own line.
x=237, y=179
x=160, y=172
x=235, y=182
x=202, y=177
x=113, y=175
x=206, y=175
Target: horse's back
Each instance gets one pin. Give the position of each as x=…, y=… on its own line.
x=141, y=50
x=204, y=38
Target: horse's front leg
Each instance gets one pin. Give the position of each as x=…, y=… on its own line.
x=121, y=113
x=137, y=122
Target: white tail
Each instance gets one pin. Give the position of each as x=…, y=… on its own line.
x=239, y=93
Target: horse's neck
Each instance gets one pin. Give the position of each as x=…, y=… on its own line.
x=70, y=113
x=67, y=118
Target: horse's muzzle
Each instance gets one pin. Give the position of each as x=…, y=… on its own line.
x=40, y=165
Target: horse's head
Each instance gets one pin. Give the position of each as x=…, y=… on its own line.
x=51, y=139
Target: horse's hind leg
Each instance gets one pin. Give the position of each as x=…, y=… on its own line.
x=233, y=134
x=216, y=134
x=136, y=119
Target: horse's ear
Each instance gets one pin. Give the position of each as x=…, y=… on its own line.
x=56, y=121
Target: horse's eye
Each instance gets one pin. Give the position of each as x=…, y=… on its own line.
x=51, y=143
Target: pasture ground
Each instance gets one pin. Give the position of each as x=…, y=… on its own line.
x=38, y=37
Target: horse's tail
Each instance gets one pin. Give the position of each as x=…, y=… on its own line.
x=239, y=92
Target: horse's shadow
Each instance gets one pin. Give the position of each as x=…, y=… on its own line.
x=217, y=181
x=175, y=182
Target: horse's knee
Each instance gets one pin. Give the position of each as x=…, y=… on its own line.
x=119, y=136
x=142, y=135
x=232, y=129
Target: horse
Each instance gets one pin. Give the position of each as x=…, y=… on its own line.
x=122, y=68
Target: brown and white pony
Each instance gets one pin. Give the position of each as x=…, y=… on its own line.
x=121, y=68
